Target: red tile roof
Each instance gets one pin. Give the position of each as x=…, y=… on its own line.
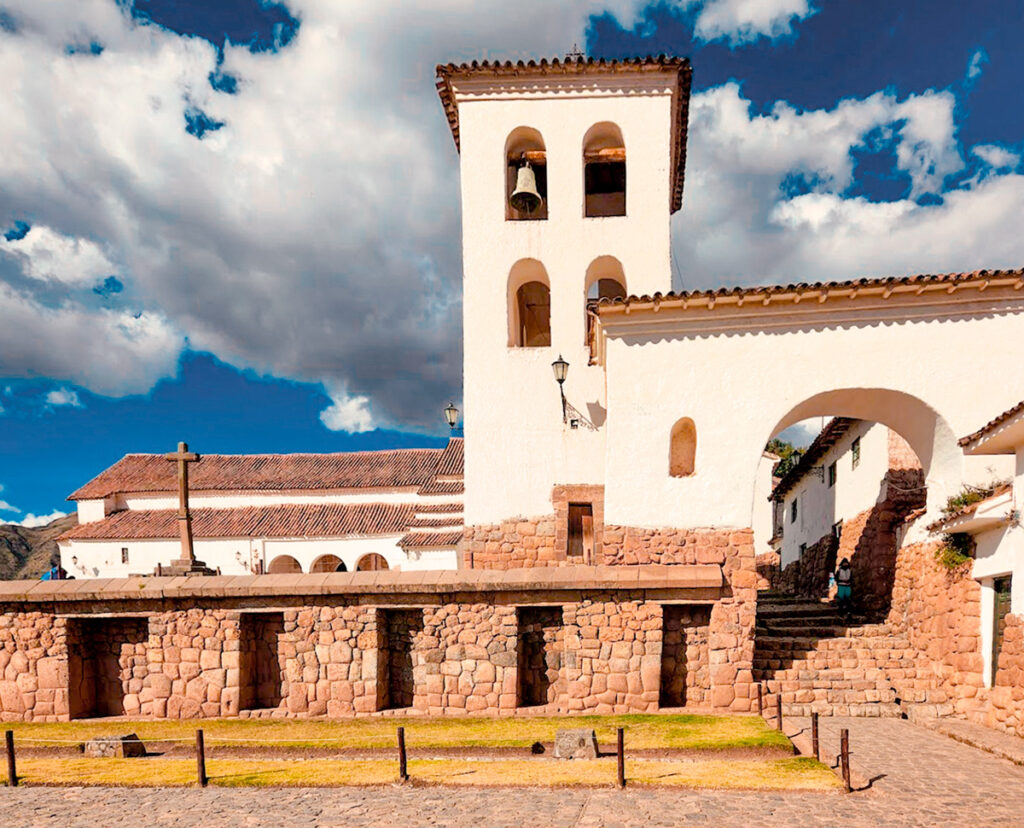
x=830, y=434
x=993, y=424
x=302, y=520
x=436, y=523
x=430, y=540
x=451, y=463
x=766, y=294
x=435, y=487
x=969, y=509
x=582, y=66
x=438, y=508
x=398, y=468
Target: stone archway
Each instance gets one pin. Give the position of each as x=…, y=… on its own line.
x=371, y=563
x=328, y=563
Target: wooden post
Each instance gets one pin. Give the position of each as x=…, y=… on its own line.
x=760, y=700
x=403, y=771
x=201, y=759
x=778, y=710
x=844, y=757
x=620, y=753
x=12, y=770
x=814, y=736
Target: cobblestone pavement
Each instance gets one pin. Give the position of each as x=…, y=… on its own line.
x=919, y=777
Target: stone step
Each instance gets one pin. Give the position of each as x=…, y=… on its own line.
x=823, y=630
x=884, y=710
x=772, y=643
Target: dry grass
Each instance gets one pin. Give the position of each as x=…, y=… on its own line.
x=676, y=732
x=776, y=774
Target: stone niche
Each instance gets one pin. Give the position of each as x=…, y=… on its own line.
x=685, y=676
x=541, y=642
x=262, y=679
x=400, y=629
x=107, y=665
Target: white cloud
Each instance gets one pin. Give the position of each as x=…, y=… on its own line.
x=7, y=507
x=347, y=412
x=743, y=21
x=51, y=256
x=974, y=66
x=31, y=521
x=63, y=396
x=997, y=157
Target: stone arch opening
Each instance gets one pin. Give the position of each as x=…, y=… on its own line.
x=682, y=452
x=328, y=563
x=529, y=305
x=880, y=456
x=372, y=562
x=524, y=148
x=604, y=171
x=284, y=564
x=604, y=280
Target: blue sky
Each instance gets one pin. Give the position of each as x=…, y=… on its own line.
x=198, y=241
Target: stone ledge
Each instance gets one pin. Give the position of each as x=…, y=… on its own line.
x=574, y=578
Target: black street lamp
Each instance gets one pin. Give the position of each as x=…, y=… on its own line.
x=561, y=368
x=451, y=415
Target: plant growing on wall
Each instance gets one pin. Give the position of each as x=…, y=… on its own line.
x=958, y=547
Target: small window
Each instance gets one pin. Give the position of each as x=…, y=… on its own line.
x=124, y=554
x=581, y=531
x=803, y=549
x=682, y=448
x=832, y=475
x=855, y=453
x=793, y=511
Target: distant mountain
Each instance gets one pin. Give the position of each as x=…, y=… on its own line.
x=28, y=553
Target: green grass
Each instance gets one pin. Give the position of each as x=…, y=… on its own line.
x=677, y=732
x=775, y=774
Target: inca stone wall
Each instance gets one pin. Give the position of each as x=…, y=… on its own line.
x=1007, y=695
x=560, y=647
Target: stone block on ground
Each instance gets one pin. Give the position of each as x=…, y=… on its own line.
x=575, y=743
x=121, y=747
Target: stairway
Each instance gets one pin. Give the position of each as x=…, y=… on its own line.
x=820, y=664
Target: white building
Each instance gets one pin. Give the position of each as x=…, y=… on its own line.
x=844, y=472
x=995, y=524
x=399, y=509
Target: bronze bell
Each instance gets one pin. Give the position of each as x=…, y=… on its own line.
x=525, y=197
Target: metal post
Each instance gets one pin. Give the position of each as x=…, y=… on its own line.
x=12, y=770
x=760, y=700
x=778, y=710
x=844, y=757
x=814, y=736
x=403, y=772
x=620, y=753
x=201, y=759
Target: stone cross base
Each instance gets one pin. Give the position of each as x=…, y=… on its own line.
x=185, y=567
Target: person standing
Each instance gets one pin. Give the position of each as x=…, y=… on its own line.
x=844, y=589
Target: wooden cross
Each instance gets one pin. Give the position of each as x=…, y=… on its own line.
x=183, y=457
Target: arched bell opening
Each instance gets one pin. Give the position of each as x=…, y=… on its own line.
x=604, y=280
x=604, y=171
x=526, y=176
x=529, y=305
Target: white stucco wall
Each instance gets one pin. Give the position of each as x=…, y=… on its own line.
x=761, y=510
x=231, y=500
x=744, y=375
x=102, y=559
x=516, y=445
x=856, y=489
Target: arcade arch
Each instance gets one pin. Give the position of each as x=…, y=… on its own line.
x=328, y=563
x=284, y=564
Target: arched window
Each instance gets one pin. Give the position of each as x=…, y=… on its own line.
x=529, y=305
x=604, y=280
x=328, y=563
x=604, y=171
x=371, y=563
x=524, y=151
x=683, y=448
x=282, y=564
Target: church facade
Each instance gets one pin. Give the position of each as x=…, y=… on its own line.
x=602, y=555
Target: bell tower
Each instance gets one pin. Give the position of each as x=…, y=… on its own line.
x=570, y=171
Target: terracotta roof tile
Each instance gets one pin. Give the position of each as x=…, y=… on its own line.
x=440, y=487
x=993, y=424
x=451, y=462
x=428, y=540
x=884, y=286
x=436, y=523
x=302, y=520
x=398, y=468
x=582, y=66
x=970, y=509
x=438, y=508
